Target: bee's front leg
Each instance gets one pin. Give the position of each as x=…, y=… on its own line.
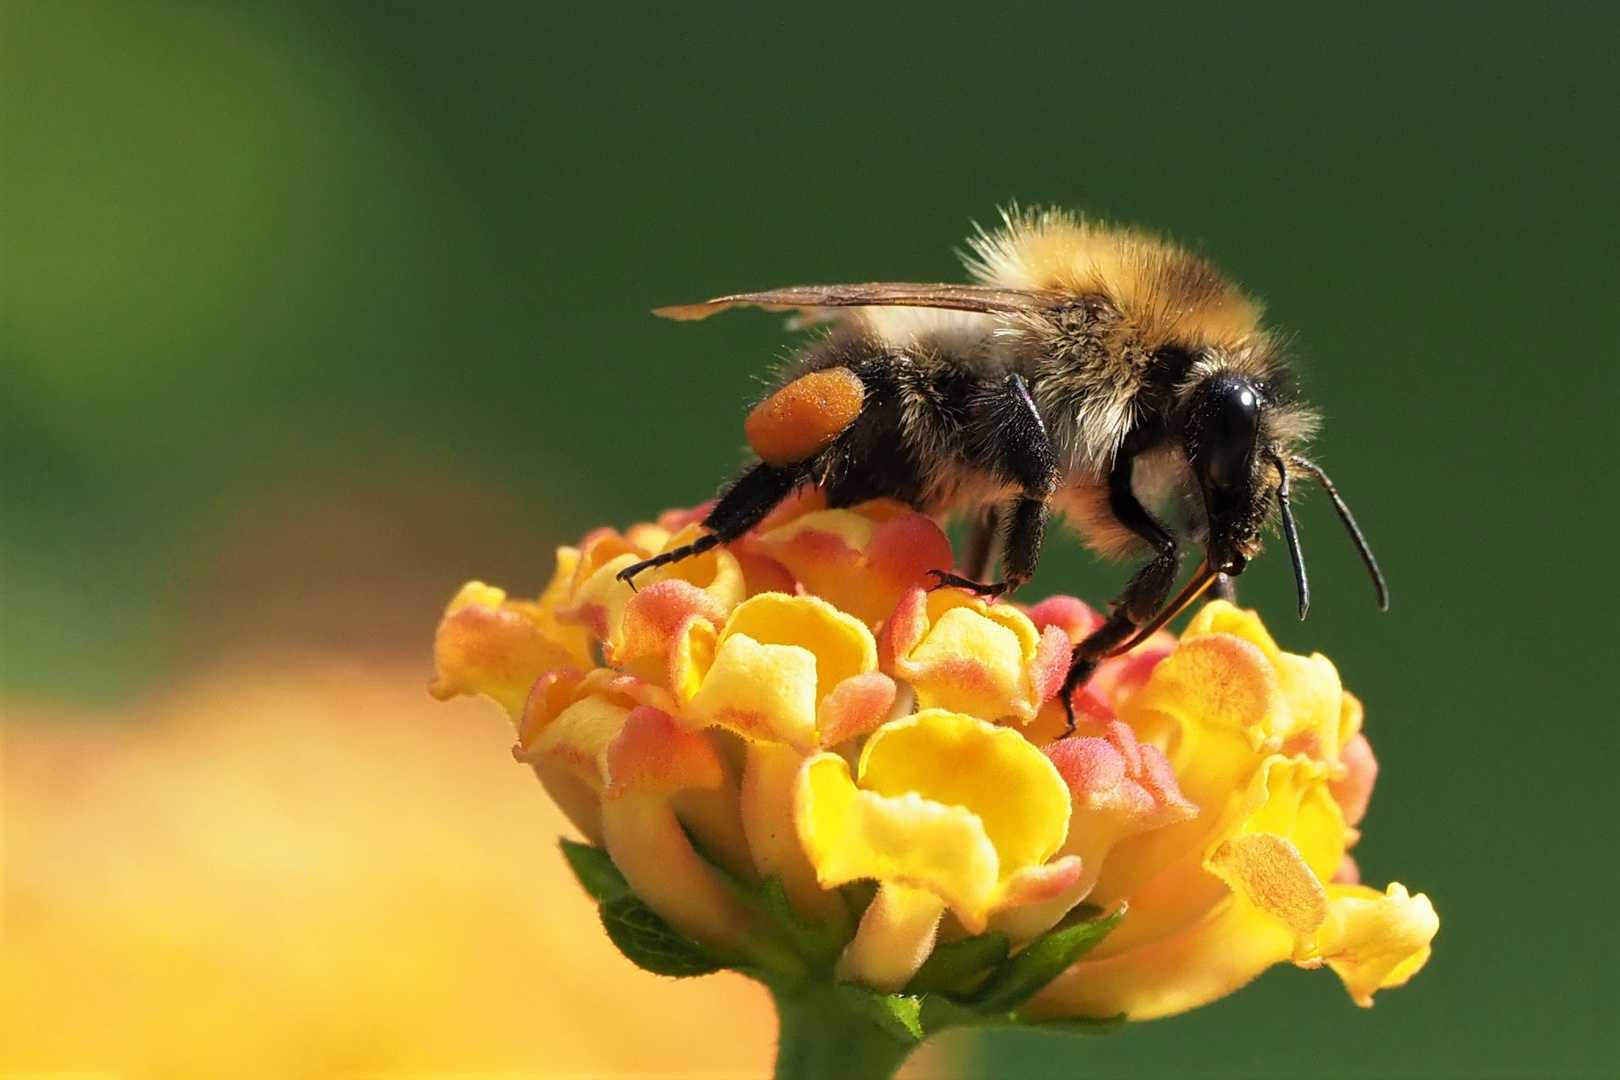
x=1142, y=597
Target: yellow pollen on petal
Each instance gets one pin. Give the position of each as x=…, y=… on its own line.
x=1267, y=871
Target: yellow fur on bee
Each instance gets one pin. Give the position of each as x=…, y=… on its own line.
x=1162, y=291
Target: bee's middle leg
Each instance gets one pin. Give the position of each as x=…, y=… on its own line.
x=981, y=543
x=1010, y=440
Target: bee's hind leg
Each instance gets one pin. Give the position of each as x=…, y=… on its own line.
x=1225, y=588
x=743, y=504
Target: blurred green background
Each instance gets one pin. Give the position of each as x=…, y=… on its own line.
x=308, y=312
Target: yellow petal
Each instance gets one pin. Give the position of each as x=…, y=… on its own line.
x=962, y=654
x=770, y=782
x=1204, y=962
x=762, y=692
x=1268, y=872
x=493, y=646
x=579, y=737
x=896, y=934
x=967, y=663
x=993, y=772
x=851, y=834
x=1220, y=617
x=841, y=643
x=1376, y=940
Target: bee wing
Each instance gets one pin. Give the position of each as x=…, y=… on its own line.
x=812, y=298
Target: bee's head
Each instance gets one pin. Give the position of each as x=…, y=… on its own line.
x=1229, y=440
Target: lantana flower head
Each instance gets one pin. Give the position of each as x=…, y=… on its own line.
x=791, y=757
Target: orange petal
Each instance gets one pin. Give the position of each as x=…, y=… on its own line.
x=653, y=753
x=861, y=560
x=489, y=645
x=654, y=618
x=855, y=707
x=1353, y=790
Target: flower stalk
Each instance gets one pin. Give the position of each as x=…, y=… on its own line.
x=825, y=1032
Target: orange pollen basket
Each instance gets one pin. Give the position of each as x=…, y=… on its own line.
x=805, y=416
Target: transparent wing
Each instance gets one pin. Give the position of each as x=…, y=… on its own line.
x=877, y=294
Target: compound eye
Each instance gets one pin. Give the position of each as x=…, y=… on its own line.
x=1231, y=427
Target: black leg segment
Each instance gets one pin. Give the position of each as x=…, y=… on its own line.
x=743, y=504
x=981, y=540
x=1009, y=439
x=1145, y=593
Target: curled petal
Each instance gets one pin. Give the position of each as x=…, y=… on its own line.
x=962, y=654
x=780, y=666
x=497, y=647
x=842, y=645
x=1030, y=885
x=762, y=692
x=947, y=804
x=1074, y=617
x=654, y=619
x=596, y=597
x=578, y=738
x=1313, y=700
x=600, y=601
x=1376, y=940
x=855, y=707
x=1116, y=774
x=993, y=772
x=555, y=691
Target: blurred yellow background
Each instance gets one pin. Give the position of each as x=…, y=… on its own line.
x=309, y=312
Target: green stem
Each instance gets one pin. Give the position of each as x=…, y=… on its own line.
x=824, y=1037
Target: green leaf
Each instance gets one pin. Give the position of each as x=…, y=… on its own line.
x=1023, y=976
x=955, y=962
x=595, y=870
x=897, y=1014
x=651, y=943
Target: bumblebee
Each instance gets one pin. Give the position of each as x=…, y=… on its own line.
x=1094, y=371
